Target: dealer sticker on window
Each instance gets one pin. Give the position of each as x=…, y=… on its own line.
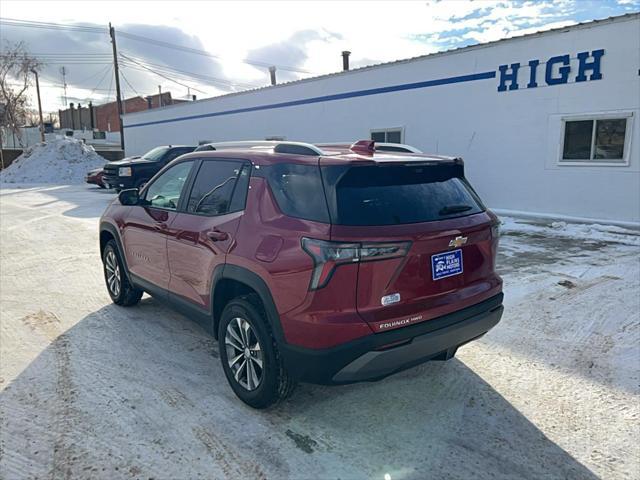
x=446, y=264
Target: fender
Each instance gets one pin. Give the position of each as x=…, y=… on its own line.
x=109, y=227
x=252, y=280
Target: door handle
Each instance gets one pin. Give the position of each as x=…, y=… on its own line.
x=187, y=236
x=160, y=226
x=217, y=235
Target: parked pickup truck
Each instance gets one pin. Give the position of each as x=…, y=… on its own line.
x=134, y=172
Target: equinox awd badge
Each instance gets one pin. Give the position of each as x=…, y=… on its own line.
x=389, y=299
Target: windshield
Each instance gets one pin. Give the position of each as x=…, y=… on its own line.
x=155, y=154
x=395, y=195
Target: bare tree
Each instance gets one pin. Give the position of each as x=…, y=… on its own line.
x=16, y=67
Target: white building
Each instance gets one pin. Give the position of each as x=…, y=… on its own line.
x=547, y=123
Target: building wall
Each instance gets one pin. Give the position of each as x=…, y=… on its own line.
x=452, y=104
x=76, y=118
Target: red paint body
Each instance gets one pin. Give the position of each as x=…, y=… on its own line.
x=175, y=251
x=95, y=177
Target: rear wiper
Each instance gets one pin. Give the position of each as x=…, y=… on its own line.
x=449, y=209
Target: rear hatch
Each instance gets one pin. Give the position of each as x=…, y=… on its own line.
x=427, y=244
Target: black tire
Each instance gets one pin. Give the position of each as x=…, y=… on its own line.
x=275, y=383
x=115, y=276
x=101, y=185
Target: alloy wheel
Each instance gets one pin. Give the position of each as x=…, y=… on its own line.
x=113, y=273
x=244, y=354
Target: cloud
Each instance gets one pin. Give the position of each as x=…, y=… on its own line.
x=306, y=36
x=291, y=53
x=88, y=63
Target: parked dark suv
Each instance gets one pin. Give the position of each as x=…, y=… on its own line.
x=133, y=172
x=331, y=265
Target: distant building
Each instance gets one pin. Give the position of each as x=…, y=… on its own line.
x=105, y=117
x=547, y=123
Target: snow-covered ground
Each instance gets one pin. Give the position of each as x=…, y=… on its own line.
x=62, y=160
x=91, y=390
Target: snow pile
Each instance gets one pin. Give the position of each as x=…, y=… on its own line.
x=63, y=160
x=588, y=233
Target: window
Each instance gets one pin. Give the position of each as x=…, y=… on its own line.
x=213, y=191
x=596, y=140
x=388, y=135
x=165, y=191
x=155, y=154
x=176, y=152
x=298, y=190
x=395, y=195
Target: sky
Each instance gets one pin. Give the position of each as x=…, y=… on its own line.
x=241, y=39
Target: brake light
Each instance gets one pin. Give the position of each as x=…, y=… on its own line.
x=495, y=230
x=328, y=255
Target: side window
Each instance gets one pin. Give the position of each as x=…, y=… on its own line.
x=214, y=187
x=165, y=191
x=298, y=190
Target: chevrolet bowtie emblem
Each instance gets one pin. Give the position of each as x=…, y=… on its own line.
x=458, y=242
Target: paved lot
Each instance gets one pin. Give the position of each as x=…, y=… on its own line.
x=91, y=390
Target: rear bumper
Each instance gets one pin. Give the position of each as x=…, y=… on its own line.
x=367, y=359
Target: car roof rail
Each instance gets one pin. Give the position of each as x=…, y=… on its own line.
x=297, y=148
x=408, y=148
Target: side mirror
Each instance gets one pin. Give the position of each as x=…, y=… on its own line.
x=129, y=197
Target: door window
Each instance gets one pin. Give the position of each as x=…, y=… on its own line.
x=215, y=186
x=165, y=190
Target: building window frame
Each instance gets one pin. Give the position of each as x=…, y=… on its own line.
x=592, y=161
x=386, y=133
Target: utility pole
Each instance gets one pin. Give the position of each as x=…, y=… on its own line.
x=112, y=33
x=63, y=71
x=39, y=106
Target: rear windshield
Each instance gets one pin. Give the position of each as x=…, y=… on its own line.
x=394, y=195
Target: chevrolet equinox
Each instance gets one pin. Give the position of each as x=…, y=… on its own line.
x=332, y=264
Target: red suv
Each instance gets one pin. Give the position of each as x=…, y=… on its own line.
x=327, y=265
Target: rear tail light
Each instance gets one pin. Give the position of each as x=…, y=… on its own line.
x=328, y=255
x=495, y=230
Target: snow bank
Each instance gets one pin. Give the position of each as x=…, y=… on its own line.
x=584, y=232
x=63, y=160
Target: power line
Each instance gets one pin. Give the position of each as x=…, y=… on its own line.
x=130, y=86
x=84, y=28
x=161, y=75
x=107, y=70
x=192, y=75
x=160, y=43
x=95, y=74
x=14, y=22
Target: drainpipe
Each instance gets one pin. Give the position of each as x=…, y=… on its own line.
x=345, y=60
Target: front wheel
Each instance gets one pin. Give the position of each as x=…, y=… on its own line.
x=250, y=356
x=120, y=289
